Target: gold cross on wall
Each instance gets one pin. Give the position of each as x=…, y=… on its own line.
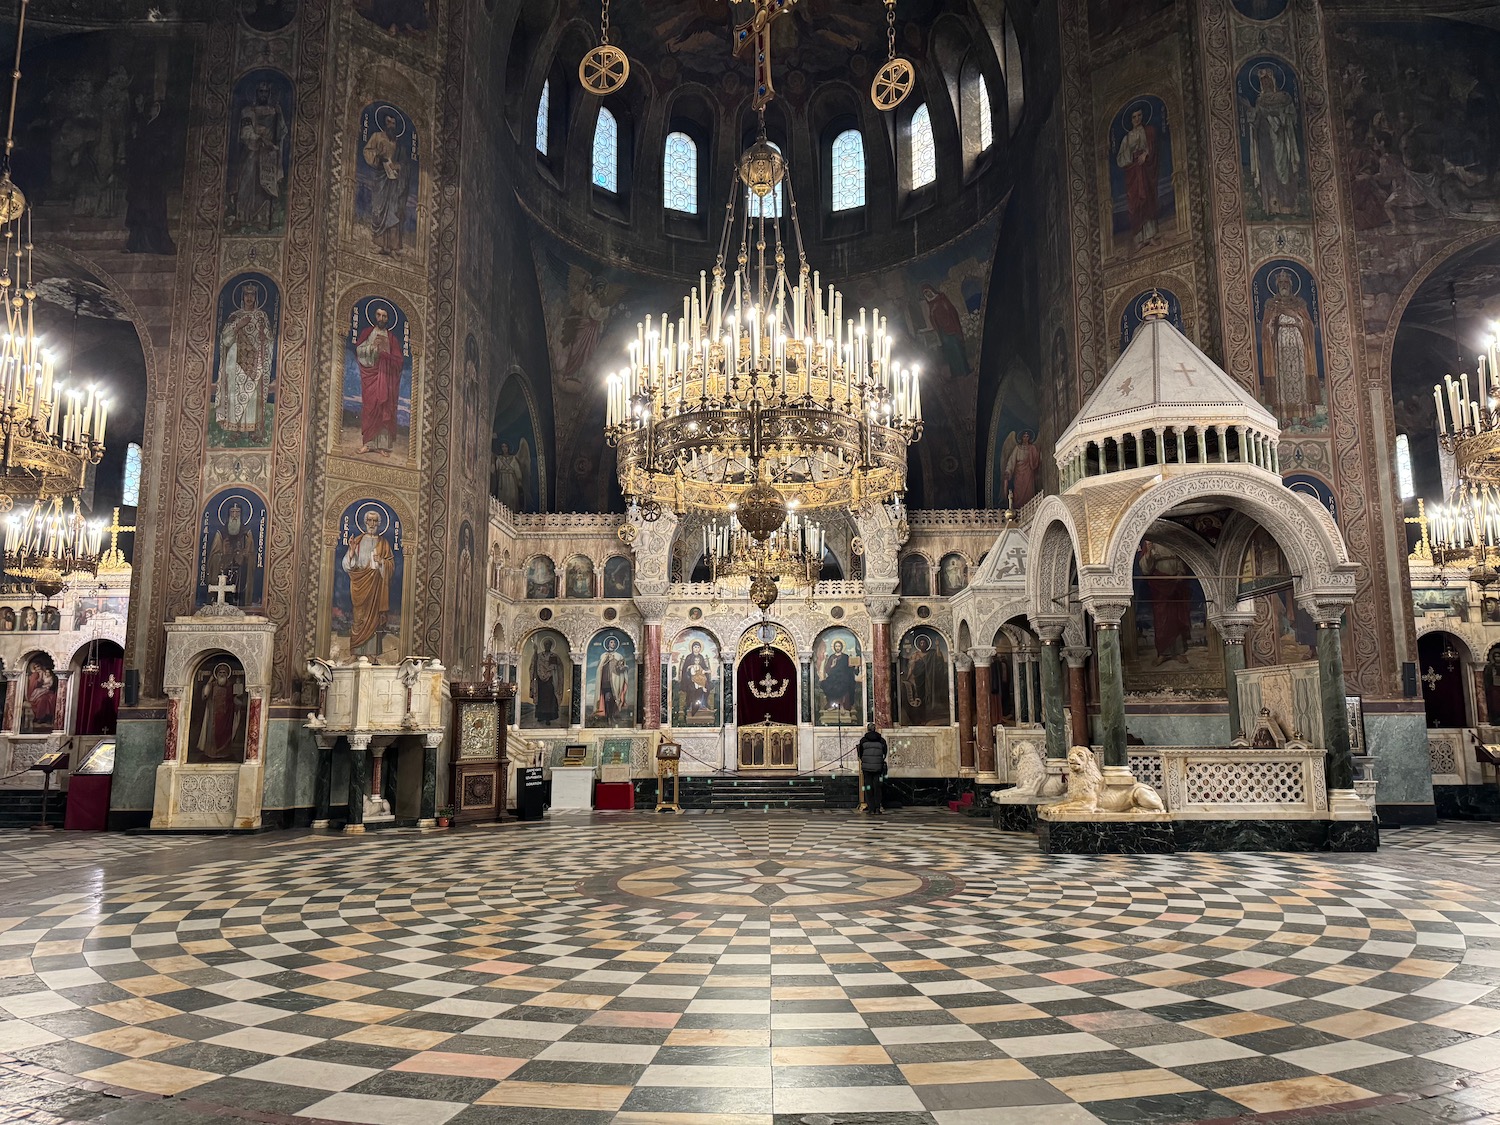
x=755, y=35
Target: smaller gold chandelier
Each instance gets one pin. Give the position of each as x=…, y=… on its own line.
x=1469, y=425
x=45, y=546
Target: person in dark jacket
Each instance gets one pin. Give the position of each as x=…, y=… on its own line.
x=872, y=756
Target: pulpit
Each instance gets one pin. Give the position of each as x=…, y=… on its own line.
x=390, y=716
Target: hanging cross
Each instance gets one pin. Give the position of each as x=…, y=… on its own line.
x=114, y=558
x=755, y=35
x=1432, y=678
x=220, y=589
x=111, y=685
x=1187, y=373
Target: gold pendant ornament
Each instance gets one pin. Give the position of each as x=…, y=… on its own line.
x=604, y=70
x=892, y=83
x=894, y=80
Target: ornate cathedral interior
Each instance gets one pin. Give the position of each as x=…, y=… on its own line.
x=750, y=562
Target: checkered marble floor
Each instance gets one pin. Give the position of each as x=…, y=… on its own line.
x=1468, y=841
x=26, y=855
x=740, y=970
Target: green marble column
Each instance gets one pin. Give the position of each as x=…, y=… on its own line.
x=1111, y=694
x=323, y=786
x=1053, y=708
x=1340, y=764
x=1234, y=661
x=428, y=809
x=359, y=780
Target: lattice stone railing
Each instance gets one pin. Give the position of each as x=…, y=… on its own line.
x=1215, y=783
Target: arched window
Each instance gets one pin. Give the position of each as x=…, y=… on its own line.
x=544, y=117
x=131, y=495
x=607, y=151
x=848, y=177
x=1405, y=488
x=986, y=119
x=919, y=144
x=679, y=174
x=766, y=206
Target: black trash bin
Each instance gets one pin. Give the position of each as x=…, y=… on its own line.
x=531, y=793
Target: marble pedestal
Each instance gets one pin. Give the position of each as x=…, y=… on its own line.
x=207, y=797
x=378, y=813
x=572, y=788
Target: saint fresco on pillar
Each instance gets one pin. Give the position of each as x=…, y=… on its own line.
x=545, y=681
x=923, y=679
x=377, y=398
x=368, y=574
x=696, y=679
x=232, y=543
x=838, y=675
x=216, y=712
x=609, y=680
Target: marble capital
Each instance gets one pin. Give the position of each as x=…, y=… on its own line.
x=1076, y=656
x=1108, y=609
x=1327, y=612
x=963, y=662
x=982, y=656
x=1232, y=627
x=881, y=608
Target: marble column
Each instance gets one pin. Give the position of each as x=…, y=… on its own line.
x=1481, y=700
x=1339, y=763
x=427, y=809
x=984, y=718
x=323, y=785
x=1028, y=673
x=1232, y=628
x=651, y=712
x=880, y=610
x=1078, y=696
x=653, y=612
x=1017, y=688
x=359, y=785
x=1052, y=690
x=964, y=689
x=1107, y=617
x=576, y=716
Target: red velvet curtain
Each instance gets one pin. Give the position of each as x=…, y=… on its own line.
x=97, y=709
x=754, y=706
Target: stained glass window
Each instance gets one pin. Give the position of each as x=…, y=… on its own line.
x=848, y=170
x=769, y=205
x=607, y=152
x=923, y=152
x=132, y=491
x=543, y=117
x=1405, y=488
x=986, y=122
x=679, y=174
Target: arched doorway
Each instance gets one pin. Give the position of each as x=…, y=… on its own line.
x=100, y=674
x=765, y=681
x=1441, y=659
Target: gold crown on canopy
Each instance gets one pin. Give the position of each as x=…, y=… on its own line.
x=1155, y=307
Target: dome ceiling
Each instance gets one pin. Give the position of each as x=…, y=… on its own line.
x=678, y=41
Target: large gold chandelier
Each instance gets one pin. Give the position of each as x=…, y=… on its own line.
x=765, y=393
x=50, y=434
x=1465, y=530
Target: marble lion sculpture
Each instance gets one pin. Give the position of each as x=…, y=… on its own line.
x=1087, y=792
x=1029, y=769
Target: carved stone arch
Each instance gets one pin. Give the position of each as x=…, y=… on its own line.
x=1475, y=643
x=1303, y=528
x=1055, y=549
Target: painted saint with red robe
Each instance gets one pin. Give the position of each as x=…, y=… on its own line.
x=378, y=352
x=221, y=723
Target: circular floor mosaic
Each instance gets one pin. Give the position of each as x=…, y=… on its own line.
x=622, y=967
x=771, y=884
